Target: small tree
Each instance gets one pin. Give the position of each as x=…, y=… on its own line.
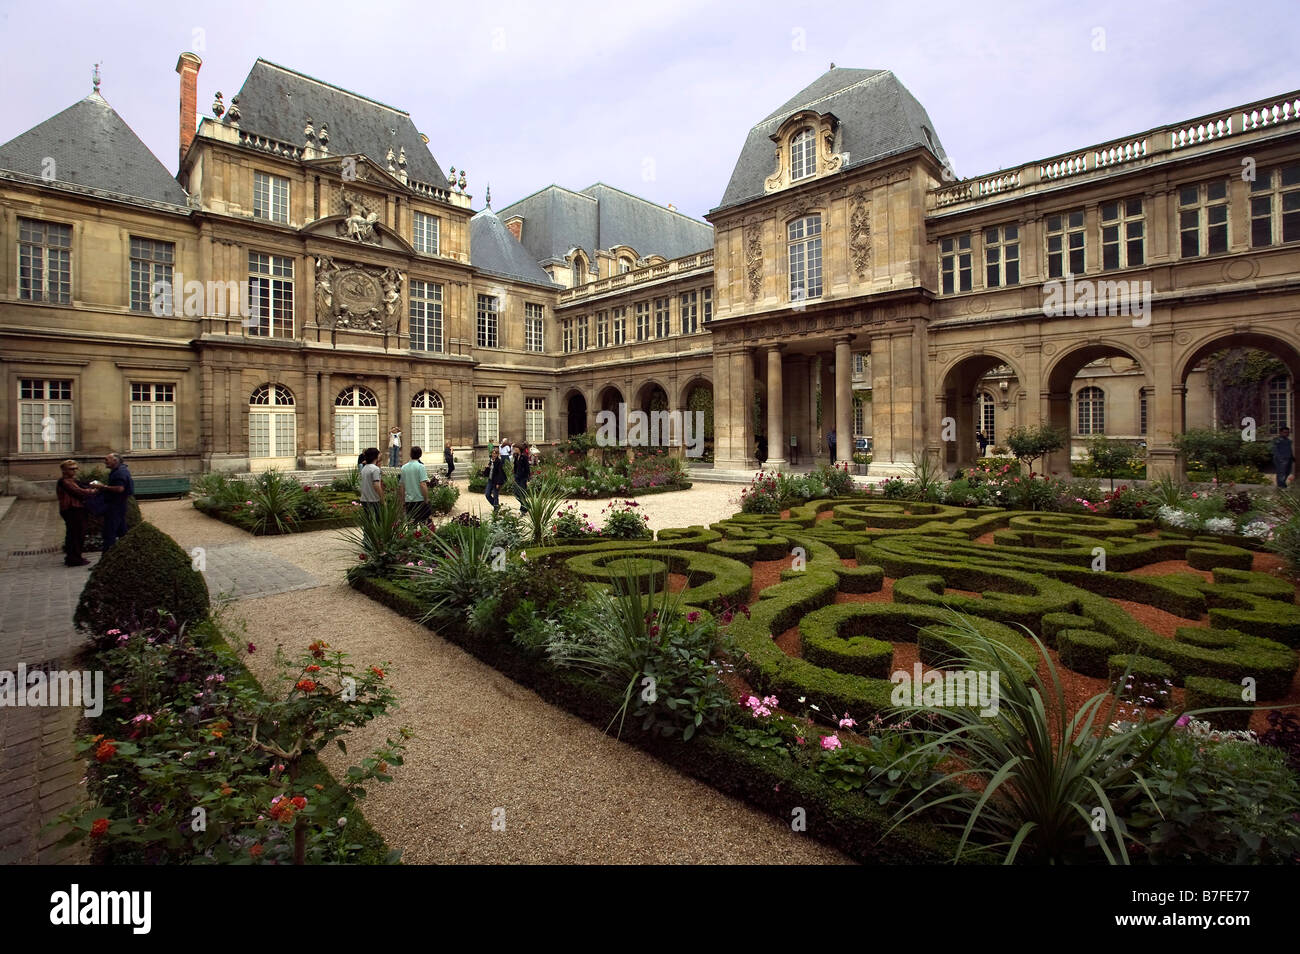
x=1110, y=456
x=1214, y=449
x=1031, y=443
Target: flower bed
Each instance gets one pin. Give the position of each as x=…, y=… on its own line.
x=846, y=593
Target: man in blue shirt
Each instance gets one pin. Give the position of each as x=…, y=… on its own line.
x=119, y=488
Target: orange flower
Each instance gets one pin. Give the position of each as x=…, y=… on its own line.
x=313, y=668
x=383, y=766
x=256, y=850
x=377, y=671
x=105, y=751
x=319, y=788
x=99, y=828
x=226, y=790
x=318, y=649
x=306, y=685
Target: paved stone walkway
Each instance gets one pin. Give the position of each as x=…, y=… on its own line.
x=39, y=770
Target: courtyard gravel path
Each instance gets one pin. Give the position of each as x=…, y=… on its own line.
x=571, y=794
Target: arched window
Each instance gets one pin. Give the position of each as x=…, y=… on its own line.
x=272, y=424
x=427, y=430
x=804, y=237
x=1279, y=403
x=1092, y=411
x=356, y=423
x=624, y=265
x=986, y=414
x=579, y=269
x=803, y=154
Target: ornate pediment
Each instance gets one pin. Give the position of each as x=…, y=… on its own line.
x=357, y=297
x=825, y=127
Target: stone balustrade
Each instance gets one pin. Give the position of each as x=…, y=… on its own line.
x=648, y=273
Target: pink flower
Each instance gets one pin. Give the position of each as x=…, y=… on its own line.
x=799, y=739
x=830, y=742
x=847, y=723
x=692, y=617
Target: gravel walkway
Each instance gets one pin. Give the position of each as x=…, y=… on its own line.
x=570, y=793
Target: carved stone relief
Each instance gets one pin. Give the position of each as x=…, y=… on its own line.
x=860, y=233
x=754, y=258
x=357, y=297
x=362, y=212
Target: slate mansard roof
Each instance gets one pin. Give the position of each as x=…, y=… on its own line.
x=557, y=220
x=494, y=250
x=276, y=101
x=878, y=118
x=92, y=148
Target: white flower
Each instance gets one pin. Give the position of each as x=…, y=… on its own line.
x=1221, y=525
x=1258, y=529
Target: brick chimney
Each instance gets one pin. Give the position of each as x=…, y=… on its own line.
x=188, y=66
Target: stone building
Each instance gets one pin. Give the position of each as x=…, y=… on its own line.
x=312, y=276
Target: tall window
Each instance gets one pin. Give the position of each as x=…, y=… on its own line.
x=44, y=261
x=580, y=333
x=689, y=307
x=1279, y=403
x=566, y=335
x=533, y=327
x=424, y=232
x=1092, y=411
x=706, y=305
x=489, y=421
x=44, y=416
x=153, y=417
x=427, y=431
x=1203, y=218
x=955, y=263
x=803, y=154
x=805, y=246
x=624, y=266
x=534, y=420
x=642, y=320
x=1271, y=190
x=271, y=422
x=1002, y=256
x=270, y=294
x=859, y=417
x=488, y=306
x=661, y=318
x=619, y=326
x=602, y=329
x=579, y=270
x=986, y=415
x=1065, y=244
x=1142, y=411
x=1122, y=227
x=151, y=264
x=425, y=310
x=270, y=197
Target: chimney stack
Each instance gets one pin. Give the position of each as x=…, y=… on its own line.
x=188, y=66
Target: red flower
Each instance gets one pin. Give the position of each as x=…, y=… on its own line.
x=298, y=802
x=251, y=648
x=255, y=851
x=306, y=685
x=313, y=668
x=377, y=671
x=105, y=751
x=99, y=828
x=318, y=649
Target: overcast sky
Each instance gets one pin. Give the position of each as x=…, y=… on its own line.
x=656, y=98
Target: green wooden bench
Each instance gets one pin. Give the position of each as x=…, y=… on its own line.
x=162, y=486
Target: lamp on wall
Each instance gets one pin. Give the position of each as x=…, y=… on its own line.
x=1004, y=384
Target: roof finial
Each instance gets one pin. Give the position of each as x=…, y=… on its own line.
x=832, y=65
x=94, y=78
x=489, y=195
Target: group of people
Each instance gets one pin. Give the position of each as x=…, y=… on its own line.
x=78, y=499
x=521, y=467
x=413, y=483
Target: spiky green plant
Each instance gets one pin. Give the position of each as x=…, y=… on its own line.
x=541, y=498
x=275, y=499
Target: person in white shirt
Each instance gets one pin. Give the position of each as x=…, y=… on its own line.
x=506, y=449
x=394, y=446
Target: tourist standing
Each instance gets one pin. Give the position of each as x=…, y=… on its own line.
x=523, y=471
x=1283, y=455
x=119, y=489
x=413, y=489
x=496, y=478
x=450, y=458
x=394, y=446
x=372, y=481
x=506, y=449
x=72, y=509
x=830, y=442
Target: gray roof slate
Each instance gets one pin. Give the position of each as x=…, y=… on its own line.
x=557, y=220
x=276, y=101
x=93, y=148
x=494, y=250
x=878, y=118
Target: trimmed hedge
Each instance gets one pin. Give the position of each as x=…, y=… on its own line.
x=1206, y=693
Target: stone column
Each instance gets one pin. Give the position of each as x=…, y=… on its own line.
x=843, y=399
x=776, y=448
x=733, y=401
x=1166, y=407
x=326, y=417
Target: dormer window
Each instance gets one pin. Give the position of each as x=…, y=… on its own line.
x=579, y=270
x=803, y=154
